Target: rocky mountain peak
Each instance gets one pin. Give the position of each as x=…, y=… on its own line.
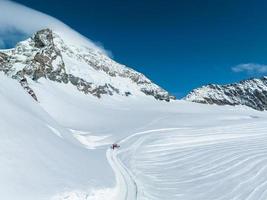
x=46, y=55
x=43, y=38
x=251, y=93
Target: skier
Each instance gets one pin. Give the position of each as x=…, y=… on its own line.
x=114, y=146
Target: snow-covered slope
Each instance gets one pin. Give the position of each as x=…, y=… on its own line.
x=252, y=93
x=39, y=157
x=212, y=163
x=56, y=149
x=177, y=150
x=47, y=55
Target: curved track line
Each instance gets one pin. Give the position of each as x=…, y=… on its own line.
x=126, y=188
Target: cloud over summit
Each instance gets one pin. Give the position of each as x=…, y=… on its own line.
x=16, y=18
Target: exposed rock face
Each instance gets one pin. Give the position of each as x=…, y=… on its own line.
x=252, y=93
x=23, y=82
x=46, y=55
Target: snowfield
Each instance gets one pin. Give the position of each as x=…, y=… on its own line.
x=59, y=148
x=210, y=163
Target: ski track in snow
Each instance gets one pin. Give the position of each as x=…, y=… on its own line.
x=218, y=163
x=126, y=188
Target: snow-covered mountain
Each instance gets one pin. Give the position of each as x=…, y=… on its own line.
x=59, y=148
x=252, y=93
x=47, y=55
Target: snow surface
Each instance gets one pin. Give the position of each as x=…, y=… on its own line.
x=59, y=148
x=35, y=162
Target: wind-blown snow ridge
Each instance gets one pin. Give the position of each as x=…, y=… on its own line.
x=47, y=55
x=252, y=93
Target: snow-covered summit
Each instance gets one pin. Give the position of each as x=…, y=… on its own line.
x=251, y=92
x=47, y=55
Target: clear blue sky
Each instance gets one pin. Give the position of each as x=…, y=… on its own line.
x=179, y=44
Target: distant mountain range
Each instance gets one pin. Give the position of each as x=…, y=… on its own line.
x=47, y=55
x=252, y=93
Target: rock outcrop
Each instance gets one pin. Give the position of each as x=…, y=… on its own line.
x=46, y=55
x=252, y=93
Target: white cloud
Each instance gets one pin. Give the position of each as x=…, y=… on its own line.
x=250, y=68
x=16, y=18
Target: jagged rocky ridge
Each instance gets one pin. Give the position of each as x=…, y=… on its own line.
x=46, y=55
x=252, y=93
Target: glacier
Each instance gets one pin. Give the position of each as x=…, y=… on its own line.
x=173, y=150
